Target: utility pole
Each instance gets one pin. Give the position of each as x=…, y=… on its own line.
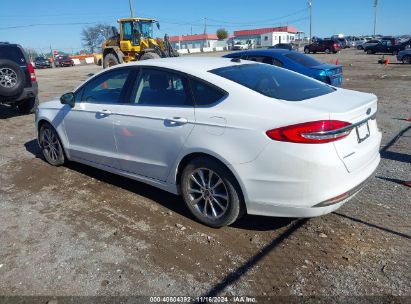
x=375, y=16
x=205, y=25
x=131, y=7
x=310, y=4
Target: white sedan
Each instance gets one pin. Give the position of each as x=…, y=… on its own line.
x=231, y=136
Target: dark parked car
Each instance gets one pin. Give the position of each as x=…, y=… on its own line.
x=404, y=56
x=285, y=46
x=294, y=61
x=41, y=63
x=343, y=42
x=384, y=46
x=63, y=61
x=323, y=45
x=18, y=84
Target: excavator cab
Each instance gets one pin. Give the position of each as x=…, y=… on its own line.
x=135, y=29
x=135, y=41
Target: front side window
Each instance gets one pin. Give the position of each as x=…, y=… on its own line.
x=106, y=88
x=205, y=94
x=274, y=82
x=162, y=88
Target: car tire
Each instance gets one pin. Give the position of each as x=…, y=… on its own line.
x=110, y=60
x=327, y=51
x=12, y=78
x=307, y=50
x=150, y=55
x=216, y=202
x=359, y=47
x=51, y=145
x=406, y=59
x=369, y=52
x=28, y=106
x=394, y=53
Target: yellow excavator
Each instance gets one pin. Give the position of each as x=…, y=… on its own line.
x=135, y=41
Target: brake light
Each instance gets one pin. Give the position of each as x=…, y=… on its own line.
x=31, y=71
x=313, y=132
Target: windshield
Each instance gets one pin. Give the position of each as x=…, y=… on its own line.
x=146, y=28
x=304, y=60
x=273, y=81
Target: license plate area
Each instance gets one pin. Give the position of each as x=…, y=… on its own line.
x=363, y=131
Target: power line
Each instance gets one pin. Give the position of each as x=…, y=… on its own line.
x=47, y=24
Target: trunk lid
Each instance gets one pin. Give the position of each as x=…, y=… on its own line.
x=361, y=146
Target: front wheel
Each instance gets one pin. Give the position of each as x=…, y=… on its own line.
x=369, y=52
x=150, y=55
x=51, y=145
x=211, y=192
x=306, y=50
x=327, y=51
x=394, y=53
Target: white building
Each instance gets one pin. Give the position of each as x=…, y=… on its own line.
x=264, y=37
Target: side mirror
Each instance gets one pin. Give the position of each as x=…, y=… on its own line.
x=68, y=98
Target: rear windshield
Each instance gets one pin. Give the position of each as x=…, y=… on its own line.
x=13, y=54
x=273, y=81
x=304, y=60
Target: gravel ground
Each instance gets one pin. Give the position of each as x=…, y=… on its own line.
x=79, y=231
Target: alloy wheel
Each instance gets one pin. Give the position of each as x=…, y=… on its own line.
x=51, y=145
x=208, y=193
x=8, y=78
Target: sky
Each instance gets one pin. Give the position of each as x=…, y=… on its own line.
x=43, y=23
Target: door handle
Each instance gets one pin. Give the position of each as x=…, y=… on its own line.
x=105, y=112
x=177, y=120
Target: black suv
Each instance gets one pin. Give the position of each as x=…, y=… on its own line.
x=18, y=85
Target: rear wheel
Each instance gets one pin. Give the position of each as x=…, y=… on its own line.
x=394, y=53
x=12, y=78
x=150, y=55
x=110, y=60
x=28, y=106
x=51, y=145
x=327, y=51
x=370, y=52
x=211, y=192
x=406, y=59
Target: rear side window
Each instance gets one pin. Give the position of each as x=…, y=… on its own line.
x=162, y=88
x=205, y=94
x=274, y=82
x=13, y=54
x=302, y=59
x=106, y=88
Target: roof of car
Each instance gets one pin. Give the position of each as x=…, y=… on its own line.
x=267, y=52
x=188, y=64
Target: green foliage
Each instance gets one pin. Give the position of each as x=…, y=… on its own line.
x=222, y=34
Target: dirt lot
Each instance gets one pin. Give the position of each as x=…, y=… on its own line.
x=76, y=230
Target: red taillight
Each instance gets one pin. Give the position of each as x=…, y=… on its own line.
x=31, y=71
x=313, y=132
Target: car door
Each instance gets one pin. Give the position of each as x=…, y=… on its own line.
x=152, y=129
x=89, y=125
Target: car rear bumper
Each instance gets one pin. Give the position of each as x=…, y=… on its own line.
x=285, y=182
x=28, y=92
